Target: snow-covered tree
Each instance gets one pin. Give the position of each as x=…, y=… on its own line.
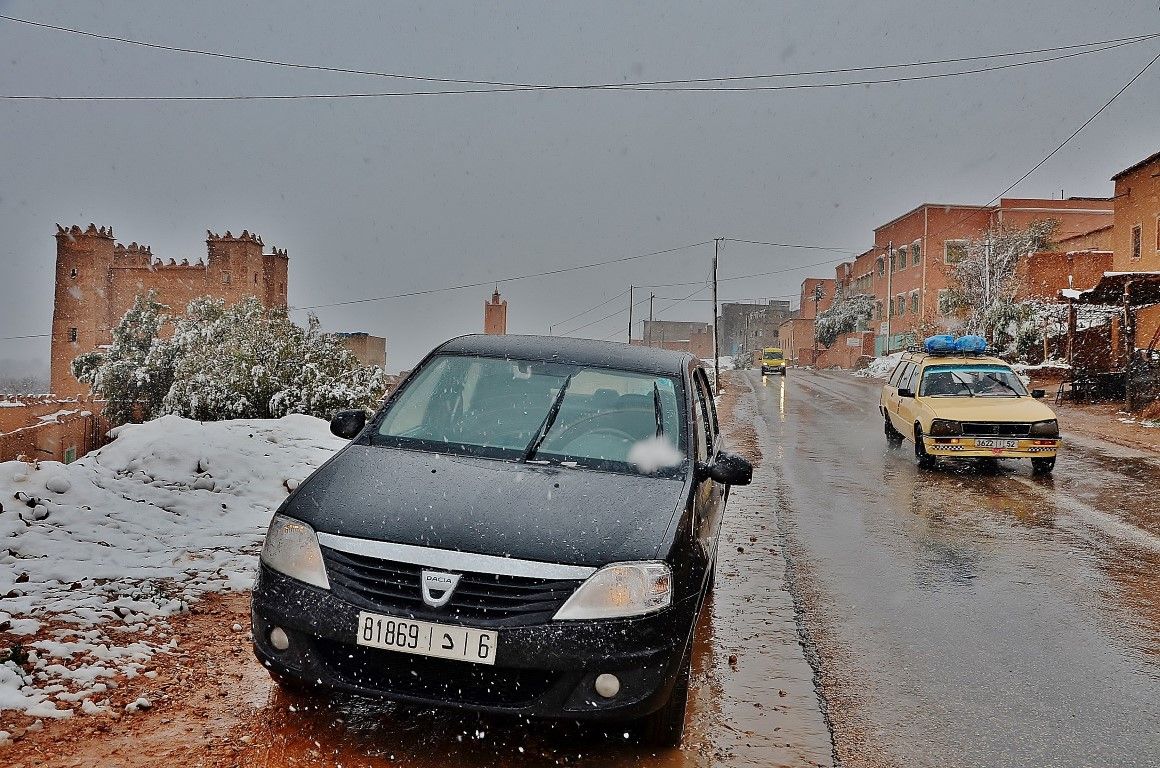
x=244, y=361
x=122, y=373
x=983, y=280
x=846, y=315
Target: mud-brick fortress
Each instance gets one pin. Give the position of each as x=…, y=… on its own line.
x=98, y=279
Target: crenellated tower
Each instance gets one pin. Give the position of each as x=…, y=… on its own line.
x=81, y=315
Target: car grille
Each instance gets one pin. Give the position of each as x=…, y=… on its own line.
x=435, y=679
x=483, y=599
x=995, y=429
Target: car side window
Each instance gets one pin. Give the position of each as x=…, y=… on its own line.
x=898, y=369
x=710, y=412
x=903, y=375
x=700, y=434
x=912, y=379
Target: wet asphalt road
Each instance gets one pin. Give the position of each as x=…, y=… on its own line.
x=966, y=615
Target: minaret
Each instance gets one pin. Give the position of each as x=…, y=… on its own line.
x=82, y=308
x=495, y=315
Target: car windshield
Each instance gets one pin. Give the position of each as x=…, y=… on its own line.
x=971, y=381
x=533, y=411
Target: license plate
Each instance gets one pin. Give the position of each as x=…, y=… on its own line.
x=424, y=638
x=981, y=442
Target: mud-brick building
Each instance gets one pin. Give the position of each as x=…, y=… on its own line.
x=1136, y=233
x=98, y=279
x=50, y=428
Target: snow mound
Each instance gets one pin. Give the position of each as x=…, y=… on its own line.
x=130, y=534
x=880, y=367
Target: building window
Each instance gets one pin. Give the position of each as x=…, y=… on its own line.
x=901, y=304
x=225, y=278
x=901, y=257
x=881, y=266
x=73, y=273
x=914, y=302
x=255, y=278
x=944, y=301
x=916, y=251
x=955, y=251
x=70, y=454
x=878, y=309
x=1136, y=242
x=72, y=334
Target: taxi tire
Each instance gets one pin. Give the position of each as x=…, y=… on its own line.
x=893, y=436
x=1042, y=466
x=925, y=460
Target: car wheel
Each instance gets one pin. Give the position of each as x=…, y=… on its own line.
x=893, y=436
x=1042, y=466
x=925, y=460
x=666, y=726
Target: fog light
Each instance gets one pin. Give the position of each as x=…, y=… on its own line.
x=278, y=639
x=607, y=685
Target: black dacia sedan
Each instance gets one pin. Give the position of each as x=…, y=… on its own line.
x=528, y=525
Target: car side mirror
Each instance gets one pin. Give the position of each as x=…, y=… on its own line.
x=905, y=393
x=347, y=424
x=731, y=469
x=1039, y=394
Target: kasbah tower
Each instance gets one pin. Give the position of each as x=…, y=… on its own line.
x=98, y=279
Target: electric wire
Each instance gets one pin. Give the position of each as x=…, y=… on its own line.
x=601, y=87
x=585, y=86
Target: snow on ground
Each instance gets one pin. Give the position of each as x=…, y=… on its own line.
x=110, y=545
x=880, y=367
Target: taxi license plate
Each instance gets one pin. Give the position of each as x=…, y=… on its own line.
x=425, y=638
x=993, y=443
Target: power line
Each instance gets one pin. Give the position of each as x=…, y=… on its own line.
x=590, y=309
x=792, y=245
x=509, y=279
x=609, y=316
x=564, y=86
x=534, y=88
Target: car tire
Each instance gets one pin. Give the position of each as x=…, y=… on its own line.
x=1042, y=466
x=925, y=460
x=666, y=726
x=893, y=437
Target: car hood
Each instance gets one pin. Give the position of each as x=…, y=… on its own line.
x=988, y=408
x=526, y=511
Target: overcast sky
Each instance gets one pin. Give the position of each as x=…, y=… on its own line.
x=380, y=196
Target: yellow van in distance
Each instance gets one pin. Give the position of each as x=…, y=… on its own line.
x=772, y=361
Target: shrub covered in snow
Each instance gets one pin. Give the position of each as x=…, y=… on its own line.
x=225, y=362
x=846, y=315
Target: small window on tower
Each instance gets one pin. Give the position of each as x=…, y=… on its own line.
x=73, y=273
x=72, y=334
x=225, y=278
x=255, y=278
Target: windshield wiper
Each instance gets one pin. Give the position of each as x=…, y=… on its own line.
x=965, y=384
x=657, y=410
x=547, y=423
x=1002, y=383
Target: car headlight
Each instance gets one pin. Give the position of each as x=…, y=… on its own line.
x=944, y=427
x=292, y=548
x=1049, y=428
x=621, y=589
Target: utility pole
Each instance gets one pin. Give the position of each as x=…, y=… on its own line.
x=887, y=347
x=651, y=297
x=630, y=314
x=817, y=299
x=716, y=330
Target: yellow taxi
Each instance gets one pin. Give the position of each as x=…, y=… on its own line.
x=956, y=400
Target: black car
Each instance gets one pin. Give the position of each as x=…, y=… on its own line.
x=528, y=525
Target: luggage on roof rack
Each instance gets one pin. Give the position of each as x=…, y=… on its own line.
x=942, y=343
x=975, y=345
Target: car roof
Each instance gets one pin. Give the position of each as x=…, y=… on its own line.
x=560, y=349
x=924, y=358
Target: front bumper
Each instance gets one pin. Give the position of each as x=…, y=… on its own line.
x=773, y=369
x=542, y=670
x=965, y=448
